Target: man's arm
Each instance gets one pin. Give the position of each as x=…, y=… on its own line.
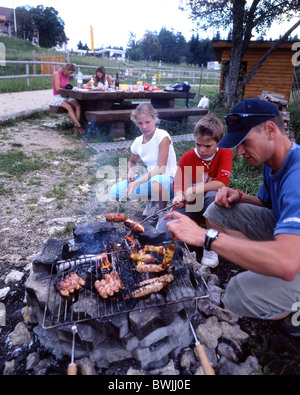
x=279, y=258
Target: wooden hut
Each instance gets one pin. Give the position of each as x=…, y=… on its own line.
x=275, y=75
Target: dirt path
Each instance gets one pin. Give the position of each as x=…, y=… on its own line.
x=21, y=101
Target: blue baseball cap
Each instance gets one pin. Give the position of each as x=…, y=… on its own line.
x=243, y=117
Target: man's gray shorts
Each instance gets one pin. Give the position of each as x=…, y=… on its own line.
x=249, y=294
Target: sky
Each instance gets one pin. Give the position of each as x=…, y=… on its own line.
x=113, y=20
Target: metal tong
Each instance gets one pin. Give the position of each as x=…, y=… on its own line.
x=160, y=211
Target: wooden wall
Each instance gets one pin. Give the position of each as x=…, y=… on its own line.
x=276, y=73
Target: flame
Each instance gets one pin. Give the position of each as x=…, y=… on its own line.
x=103, y=262
x=130, y=239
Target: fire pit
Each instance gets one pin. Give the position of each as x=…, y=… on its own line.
x=126, y=323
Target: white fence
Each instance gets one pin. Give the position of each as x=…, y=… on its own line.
x=164, y=75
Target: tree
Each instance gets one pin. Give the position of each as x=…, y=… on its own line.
x=200, y=51
x=133, y=52
x=173, y=46
x=82, y=47
x=150, y=46
x=244, y=17
x=46, y=21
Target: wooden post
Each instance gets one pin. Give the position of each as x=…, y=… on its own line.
x=27, y=73
x=34, y=64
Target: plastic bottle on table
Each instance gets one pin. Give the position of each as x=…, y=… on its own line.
x=79, y=79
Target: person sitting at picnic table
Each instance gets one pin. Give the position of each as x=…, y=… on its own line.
x=155, y=149
x=259, y=233
x=60, y=80
x=101, y=81
x=200, y=173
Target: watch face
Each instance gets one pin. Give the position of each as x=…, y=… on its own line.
x=212, y=233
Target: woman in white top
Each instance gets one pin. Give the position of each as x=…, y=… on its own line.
x=101, y=80
x=155, y=148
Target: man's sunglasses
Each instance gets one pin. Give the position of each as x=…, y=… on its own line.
x=232, y=119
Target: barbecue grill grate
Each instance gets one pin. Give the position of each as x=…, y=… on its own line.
x=86, y=304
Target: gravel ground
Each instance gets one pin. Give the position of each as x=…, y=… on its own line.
x=20, y=101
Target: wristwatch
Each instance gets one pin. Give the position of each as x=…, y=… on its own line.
x=210, y=236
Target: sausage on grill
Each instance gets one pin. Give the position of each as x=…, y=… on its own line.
x=150, y=268
x=114, y=217
x=134, y=226
x=109, y=285
x=69, y=284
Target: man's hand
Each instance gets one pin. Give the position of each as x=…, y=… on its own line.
x=183, y=228
x=226, y=197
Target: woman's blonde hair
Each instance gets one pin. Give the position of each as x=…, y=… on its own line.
x=68, y=66
x=145, y=109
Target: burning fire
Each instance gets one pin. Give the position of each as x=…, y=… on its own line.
x=103, y=262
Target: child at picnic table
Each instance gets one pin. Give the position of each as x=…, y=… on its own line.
x=201, y=172
x=101, y=81
x=60, y=79
x=155, y=149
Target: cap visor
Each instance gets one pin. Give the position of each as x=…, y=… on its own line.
x=232, y=140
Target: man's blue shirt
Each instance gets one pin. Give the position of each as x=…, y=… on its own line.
x=281, y=193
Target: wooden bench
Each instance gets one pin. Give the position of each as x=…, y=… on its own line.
x=118, y=117
x=163, y=113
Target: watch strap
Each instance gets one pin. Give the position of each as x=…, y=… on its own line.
x=209, y=240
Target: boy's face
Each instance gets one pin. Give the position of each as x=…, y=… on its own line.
x=206, y=146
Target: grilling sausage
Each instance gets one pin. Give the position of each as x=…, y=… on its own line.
x=147, y=289
x=69, y=284
x=150, y=268
x=109, y=285
x=152, y=285
x=114, y=217
x=134, y=226
x=166, y=278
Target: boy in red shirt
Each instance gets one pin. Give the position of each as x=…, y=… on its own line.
x=200, y=173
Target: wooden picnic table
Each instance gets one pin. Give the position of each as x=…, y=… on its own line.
x=97, y=100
